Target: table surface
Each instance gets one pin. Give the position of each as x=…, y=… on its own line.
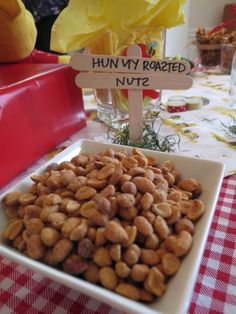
x=25, y=291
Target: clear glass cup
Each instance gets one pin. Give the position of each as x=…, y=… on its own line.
x=112, y=104
x=232, y=83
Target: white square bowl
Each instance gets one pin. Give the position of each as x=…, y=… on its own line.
x=178, y=295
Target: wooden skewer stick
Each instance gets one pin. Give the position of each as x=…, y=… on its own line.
x=135, y=103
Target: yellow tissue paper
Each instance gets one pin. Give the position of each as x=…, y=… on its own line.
x=109, y=26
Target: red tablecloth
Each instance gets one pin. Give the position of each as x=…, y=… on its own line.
x=25, y=291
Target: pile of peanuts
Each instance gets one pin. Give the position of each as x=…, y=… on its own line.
x=206, y=37
x=116, y=219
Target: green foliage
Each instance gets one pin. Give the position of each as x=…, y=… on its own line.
x=151, y=139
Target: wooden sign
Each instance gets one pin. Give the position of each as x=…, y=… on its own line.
x=133, y=73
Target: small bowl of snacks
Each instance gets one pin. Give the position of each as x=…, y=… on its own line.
x=124, y=225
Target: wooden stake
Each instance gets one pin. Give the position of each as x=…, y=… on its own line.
x=135, y=103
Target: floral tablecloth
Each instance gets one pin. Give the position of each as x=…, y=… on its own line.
x=25, y=291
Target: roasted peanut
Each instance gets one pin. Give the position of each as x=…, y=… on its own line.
x=144, y=185
x=107, y=277
x=143, y=226
x=179, y=245
x=85, y=248
x=74, y=265
x=49, y=236
x=115, y=233
x=13, y=229
x=12, y=198
x=139, y=272
x=155, y=282
x=102, y=257
x=85, y=193
x=170, y=264
x=92, y=272
x=149, y=257
x=35, y=247
x=128, y=290
x=61, y=250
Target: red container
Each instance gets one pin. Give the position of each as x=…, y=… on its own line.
x=40, y=107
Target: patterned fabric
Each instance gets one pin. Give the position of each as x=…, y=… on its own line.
x=43, y=8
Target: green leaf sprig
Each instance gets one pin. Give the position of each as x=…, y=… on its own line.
x=152, y=139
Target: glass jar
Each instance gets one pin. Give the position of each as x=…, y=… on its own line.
x=209, y=54
x=227, y=53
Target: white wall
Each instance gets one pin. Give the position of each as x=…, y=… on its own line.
x=177, y=37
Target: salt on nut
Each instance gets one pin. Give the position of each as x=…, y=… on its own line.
x=86, y=209
x=155, y=282
x=161, y=227
x=85, y=248
x=27, y=198
x=85, y=193
x=146, y=296
x=97, y=218
x=66, y=175
x=144, y=185
x=74, y=265
x=136, y=151
x=115, y=252
x=115, y=233
x=152, y=160
x=102, y=257
x=128, y=213
x=70, y=224
x=184, y=224
x=100, y=238
x=189, y=184
x=152, y=242
x=129, y=162
x=32, y=211
x=122, y=269
x=146, y=201
x=125, y=200
x=196, y=211
x=116, y=176
x=57, y=219
x=52, y=199
x=80, y=231
x=34, y=226
x=106, y=171
x=136, y=171
x=170, y=264
x=131, y=255
x=12, y=198
x=96, y=183
x=132, y=233
x=102, y=204
x=61, y=250
x=80, y=160
x=91, y=274
x=47, y=210
x=179, y=245
x=108, y=191
x=149, y=257
x=35, y=247
x=129, y=187
x=49, y=236
x=128, y=290
x=139, y=272
x=175, y=213
x=143, y=225
x=13, y=229
x=77, y=183
x=162, y=209
x=108, y=278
